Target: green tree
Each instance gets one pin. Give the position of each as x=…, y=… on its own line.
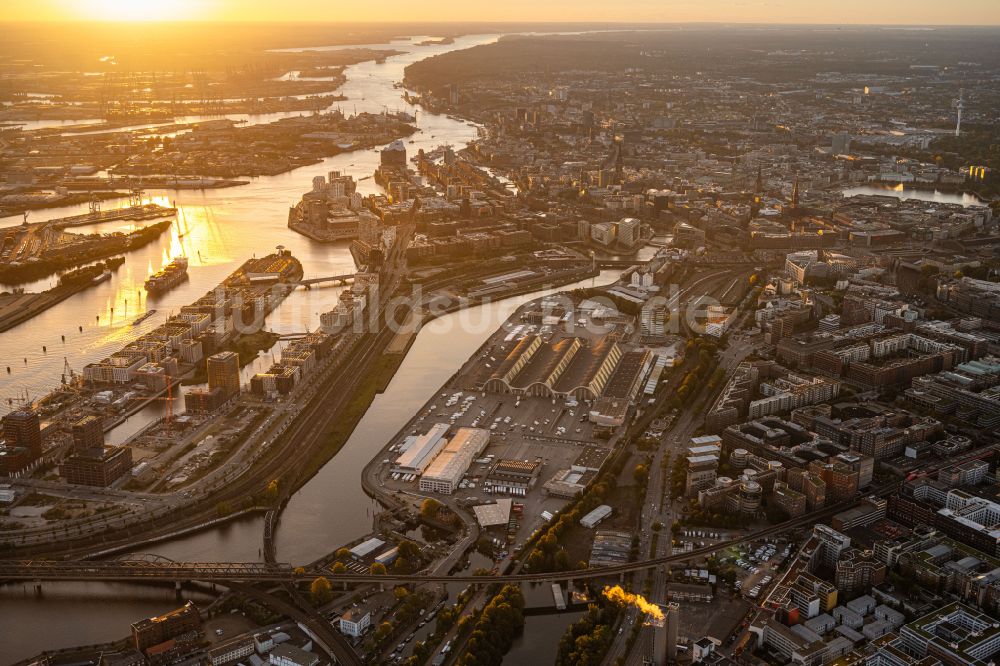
x=382, y=632
x=410, y=551
x=377, y=569
x=338, y=568
x=430, y=508
x=494, y=631
x=321, y=591
x=445, y=620
x=401, y=565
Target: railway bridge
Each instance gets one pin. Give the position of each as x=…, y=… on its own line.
x=159, y=569
x=340, y=279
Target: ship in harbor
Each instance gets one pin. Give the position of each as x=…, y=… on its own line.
x=172, y=274
x=93, y=274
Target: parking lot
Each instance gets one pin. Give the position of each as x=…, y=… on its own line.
x=760, y=564
x=553, y=433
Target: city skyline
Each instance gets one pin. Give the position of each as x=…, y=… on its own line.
x=850, y=12
x=651, y=333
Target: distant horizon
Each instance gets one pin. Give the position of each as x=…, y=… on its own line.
x=627, y=25
x=660, y=12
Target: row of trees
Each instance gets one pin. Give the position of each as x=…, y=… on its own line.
x=587, y=640
x=405, y=614
x=696, y=515
x=549, y=555
x=446, y=618
x=703, y=371
x=500, y=622
x=678, y=477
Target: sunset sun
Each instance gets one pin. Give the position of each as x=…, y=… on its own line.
x=138, y=10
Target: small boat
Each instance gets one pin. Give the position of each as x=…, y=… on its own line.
x=103, y=277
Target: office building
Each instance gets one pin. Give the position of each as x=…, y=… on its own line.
x=88, y=434
x=653, y=319
x=231, y=651
x=155, y=630
x=701, y=473
x=831, y=544
x=354, y=622
x=22, y=428
x=98, y=467
x=857, y=571
x=956, y=635
x=224, y=373
x=204, y=401
x=289, y=655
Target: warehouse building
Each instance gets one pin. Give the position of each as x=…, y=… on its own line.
x=513, y=477
x=566, y=368
x=592, y=519
x=420, y=453
x=493, y=515
x=449, y=466
x=366, y=548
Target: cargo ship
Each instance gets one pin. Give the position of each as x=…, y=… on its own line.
x=106, y=275
x=173, y=274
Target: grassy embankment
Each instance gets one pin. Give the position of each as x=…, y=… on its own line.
x=371, y=384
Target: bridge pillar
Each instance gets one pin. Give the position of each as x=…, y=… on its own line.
x=177, y=589
x=38, y=587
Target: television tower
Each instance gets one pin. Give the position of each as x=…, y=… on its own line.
x=959, y=104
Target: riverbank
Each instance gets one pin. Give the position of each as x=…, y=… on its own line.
x=29, y=199
x=368, y=473
x=98, y=247
x=15, y=309
x=309, y=232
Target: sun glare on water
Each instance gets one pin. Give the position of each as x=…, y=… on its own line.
x=136, y=10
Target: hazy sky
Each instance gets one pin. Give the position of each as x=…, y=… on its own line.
x=962, y=12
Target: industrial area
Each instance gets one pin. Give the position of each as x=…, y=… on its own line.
x=466, y=348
